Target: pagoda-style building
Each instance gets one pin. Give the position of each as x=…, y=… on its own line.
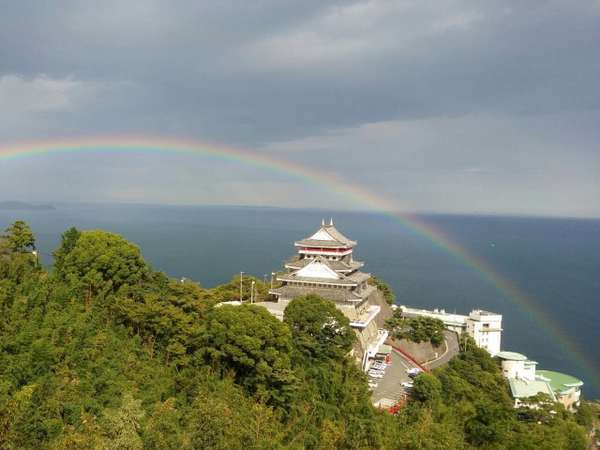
x=324, y=266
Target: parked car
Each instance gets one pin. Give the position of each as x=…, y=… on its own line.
x=413, y=372
x=407, y=384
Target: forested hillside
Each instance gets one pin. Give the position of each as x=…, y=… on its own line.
x=102, y=352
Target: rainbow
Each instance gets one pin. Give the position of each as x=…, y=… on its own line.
x=327, y=181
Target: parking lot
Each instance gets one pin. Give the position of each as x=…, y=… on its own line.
x=389, y=388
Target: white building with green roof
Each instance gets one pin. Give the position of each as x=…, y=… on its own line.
x=521, y=390
x=516, y=365
x=526, y=382
x=566, y=388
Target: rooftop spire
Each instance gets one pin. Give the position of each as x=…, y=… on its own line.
x=322, y=222
x=331, y=221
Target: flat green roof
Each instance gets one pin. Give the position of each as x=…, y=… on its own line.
x=559, y=382
x=525, y=388
x=511, y=356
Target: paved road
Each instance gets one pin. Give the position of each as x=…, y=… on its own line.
x=452, y=350
x=389, y=389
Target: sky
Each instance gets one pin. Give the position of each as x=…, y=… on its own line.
x=487, y=107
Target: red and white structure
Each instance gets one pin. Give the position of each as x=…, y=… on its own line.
x=324, y=265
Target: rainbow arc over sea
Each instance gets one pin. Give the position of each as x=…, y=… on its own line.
x=326, y=181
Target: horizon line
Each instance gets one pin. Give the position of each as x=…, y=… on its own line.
x=51, y=203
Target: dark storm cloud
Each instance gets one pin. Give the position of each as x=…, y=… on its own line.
x=311, y=76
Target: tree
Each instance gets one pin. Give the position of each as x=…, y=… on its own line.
x=103, y=261
x=123, y=424
x=489, y=425
x=19, y=237
x=224, y=417
x=386, y=290
x=585, y=415
x=67, y=244
x=416, y=329
x=427, y=388
x=16, y=261
x=12, y=414
x=167, y=314
x=156, y=365
x=252, y=344
x=163, y=430
x=319, y=329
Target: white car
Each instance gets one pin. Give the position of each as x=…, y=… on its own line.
x=407, y=384
x=375, y=375
x=413, y=372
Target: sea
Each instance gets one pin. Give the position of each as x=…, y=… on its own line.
x=555, y=262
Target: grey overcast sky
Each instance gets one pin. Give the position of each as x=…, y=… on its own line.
x=445, y=105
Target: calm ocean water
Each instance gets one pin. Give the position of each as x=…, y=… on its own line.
x=555, y=261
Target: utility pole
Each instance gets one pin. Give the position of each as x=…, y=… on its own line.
x=241, y=282
x=272, y=274
x=252, y=291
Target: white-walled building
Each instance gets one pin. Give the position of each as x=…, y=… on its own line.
x=486, y=329
x=454, y=322
x=516, y=365
x=483, y=326
x=525, y=381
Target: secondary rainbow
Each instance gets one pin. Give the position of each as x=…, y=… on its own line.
x=327, y=181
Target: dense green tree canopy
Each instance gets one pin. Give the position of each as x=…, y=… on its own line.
x=67, y=244
x=320, y=330
x=427, y=388
x=17, y=263
x=19, y=237
x=416, y=329
x=254, y=346
x=153, y=363
x=102, y=261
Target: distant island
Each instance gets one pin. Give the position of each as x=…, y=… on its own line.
x=24, y=206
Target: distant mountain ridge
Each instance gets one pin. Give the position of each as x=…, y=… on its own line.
x=24, y=206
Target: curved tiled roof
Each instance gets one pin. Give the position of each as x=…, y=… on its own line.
x=326, y=236
x=338, y=265
x=336, y=295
